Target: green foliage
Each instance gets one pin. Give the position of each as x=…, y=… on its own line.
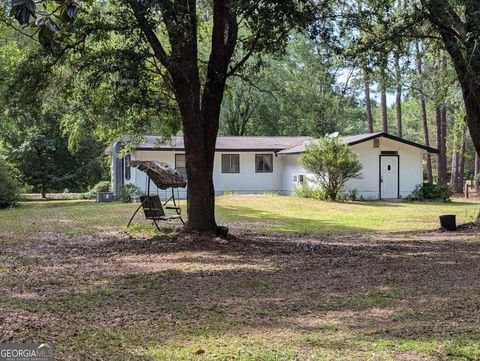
x=351, y=195
x=103, y=186
x=292, y=94
x=129, y=191
x=8, y=186
x=41, y=154
x=431, y=191
x=306, y=191
x=333, y=164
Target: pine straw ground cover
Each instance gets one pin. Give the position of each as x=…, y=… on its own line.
x=71, y=275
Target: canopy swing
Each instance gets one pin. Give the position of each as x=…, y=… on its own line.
x=164, y=177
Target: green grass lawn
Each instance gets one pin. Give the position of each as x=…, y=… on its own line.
x=265, y=213
x=291, y=214
x=301, y=280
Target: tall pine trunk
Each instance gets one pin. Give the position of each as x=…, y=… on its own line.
x=368, y=102
x=383, y=102
x=457, y=178
x=458, y=163
x=461, y=166
x=398, y=95
x=476, y=178
x=441, y=118
x=423, y=110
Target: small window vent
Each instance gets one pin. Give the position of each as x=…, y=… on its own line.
x=376, y=143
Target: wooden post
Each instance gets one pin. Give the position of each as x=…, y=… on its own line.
x=466, y=189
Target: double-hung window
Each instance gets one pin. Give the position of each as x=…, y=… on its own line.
x=180, y=164
x=263, y=163
x=230, y=163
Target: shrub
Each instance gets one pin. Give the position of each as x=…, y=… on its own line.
x=8, y=186
x=305, y=191
x=129, y=191
x=350, y=195
x=333, y=164
x=103, y=186
x=431, y=191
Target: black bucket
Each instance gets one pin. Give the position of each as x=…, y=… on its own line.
x=448, y=222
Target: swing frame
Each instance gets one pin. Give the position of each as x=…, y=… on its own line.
x=155, y=211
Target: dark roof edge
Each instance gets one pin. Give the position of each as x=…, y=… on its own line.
x=398, y=139
x=274, y=150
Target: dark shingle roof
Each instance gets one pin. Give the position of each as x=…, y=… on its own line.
x=360, y=138
x=282, y=145
x=273, y=144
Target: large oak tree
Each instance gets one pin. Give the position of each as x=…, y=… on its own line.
x=457, y=23
x=238, y=30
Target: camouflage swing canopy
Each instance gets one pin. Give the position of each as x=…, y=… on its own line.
x=161, y=174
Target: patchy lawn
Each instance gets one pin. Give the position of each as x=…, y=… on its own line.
x=302, y=280
x=295, y=215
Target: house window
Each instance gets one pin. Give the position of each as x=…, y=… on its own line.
x=263, y=163
x=230, y=163
x=180, y=164
x=128, y=166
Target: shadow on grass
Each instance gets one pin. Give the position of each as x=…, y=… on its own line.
x=327, y=296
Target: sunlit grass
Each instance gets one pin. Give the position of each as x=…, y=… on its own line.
x=67, y=275
x=266, y=213
x=291, y=214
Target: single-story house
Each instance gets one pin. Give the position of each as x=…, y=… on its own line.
x=392, y=166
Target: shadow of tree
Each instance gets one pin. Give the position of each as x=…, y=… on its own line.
x=326, y=295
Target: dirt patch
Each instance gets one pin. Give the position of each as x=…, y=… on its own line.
x=359, y=295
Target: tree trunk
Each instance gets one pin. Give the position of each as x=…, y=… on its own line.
x=368, y=102
x=477, y=173
x=441, y=137
x=398, y=97
x=471, y=96
x=455, y=30
x=461, y=164
x=199, y=106
x=455, y=166
x=423, y=109
x=383, y=104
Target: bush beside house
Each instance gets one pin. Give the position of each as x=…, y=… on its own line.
x=333, y=163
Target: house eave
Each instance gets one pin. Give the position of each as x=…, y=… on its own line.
x=272, y=150
x=398, y=139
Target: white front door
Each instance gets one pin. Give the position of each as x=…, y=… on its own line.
x=389, y=177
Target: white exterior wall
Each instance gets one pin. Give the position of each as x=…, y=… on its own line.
x=410, y=160
x=285, y=166
x=291, y=167
x=410, y=167
x=246, y=181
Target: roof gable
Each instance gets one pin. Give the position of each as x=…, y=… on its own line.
x=280, y=145
x=361, y=138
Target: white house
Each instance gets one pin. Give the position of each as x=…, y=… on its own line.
x=392, y=167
